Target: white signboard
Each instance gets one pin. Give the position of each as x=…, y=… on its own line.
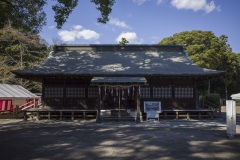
x=152, y=106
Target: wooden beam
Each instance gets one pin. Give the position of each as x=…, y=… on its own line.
x=98, y=119
x=64, y=93
x=137, y=103
x=195, y=94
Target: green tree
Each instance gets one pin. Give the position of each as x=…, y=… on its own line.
x=29, y=14
x=209, y=51
x=25, y=14
x=123, y=41
x=18, y=50
x=105, y=8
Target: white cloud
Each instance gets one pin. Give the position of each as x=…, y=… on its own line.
x=51, y=27
x=118, y=23
x=139, y=2
x=78, y=32
x=88, y=34
x=130, y=36
x=159, y=1
x=195, y=5
x=77, y=27
x=67, y=36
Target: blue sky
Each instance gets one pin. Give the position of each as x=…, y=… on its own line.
x=146, y=21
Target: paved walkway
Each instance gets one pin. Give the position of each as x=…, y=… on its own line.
x=181, y=139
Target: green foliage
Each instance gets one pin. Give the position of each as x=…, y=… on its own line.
x=105, y=7
x=213, y=99
x=123, y=41
x=29, y=15
x=211, y=52
x=62, y=10
x=17, y=51
x=237, y=102
x=25, y=14
x=210, y=100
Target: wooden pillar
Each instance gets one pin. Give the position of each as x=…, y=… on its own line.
x=61, y=115
x=209, y=86
x=84, y=115
x=195, y=96
x=38, y=116
x=72, y=115
x=173, y=89
x=199, y=115
x=188, y=116
x=43, y=93
x=119, y=103
x=226, y=91
x=165, y=115
x=98, y=118
x=25, y=115
x=137, y=103
x=64, y=93
x=49, y=115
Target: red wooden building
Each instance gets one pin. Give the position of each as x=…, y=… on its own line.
x=12, y=96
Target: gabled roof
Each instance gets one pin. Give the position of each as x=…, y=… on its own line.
x=116, y=60
x=14, y=91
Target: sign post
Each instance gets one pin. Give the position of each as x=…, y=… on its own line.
x=152, y=109
x=231, y=118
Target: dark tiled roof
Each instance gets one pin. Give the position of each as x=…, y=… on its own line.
x=115, y=60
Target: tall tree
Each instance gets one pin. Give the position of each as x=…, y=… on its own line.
x=29, y=14
x=18, y=50
x=123, y=41
x=25, y=14
x=209, y=51
x=105, y=8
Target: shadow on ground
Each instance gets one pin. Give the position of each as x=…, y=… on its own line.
x=43, y=141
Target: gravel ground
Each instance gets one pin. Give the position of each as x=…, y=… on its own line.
x=170, y=139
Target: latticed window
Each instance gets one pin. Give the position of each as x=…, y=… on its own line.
x=54, y=92
x=75, y=92
x=93, y=92
x=181, y=92
x=145, y=92
x=162, y=92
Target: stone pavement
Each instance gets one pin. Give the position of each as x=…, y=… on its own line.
x=171, y=139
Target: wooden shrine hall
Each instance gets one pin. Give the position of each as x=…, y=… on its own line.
x=117, y=81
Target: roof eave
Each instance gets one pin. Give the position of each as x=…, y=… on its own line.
x=23, y=75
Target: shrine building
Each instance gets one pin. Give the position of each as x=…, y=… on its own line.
x=115, y=77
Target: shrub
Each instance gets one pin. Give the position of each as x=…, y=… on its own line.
x=213, y=100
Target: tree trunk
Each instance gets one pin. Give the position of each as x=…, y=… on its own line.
x=226, y=91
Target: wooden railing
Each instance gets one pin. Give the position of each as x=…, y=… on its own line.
x=30, y=104
x=216, y=109
x=61, y=114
